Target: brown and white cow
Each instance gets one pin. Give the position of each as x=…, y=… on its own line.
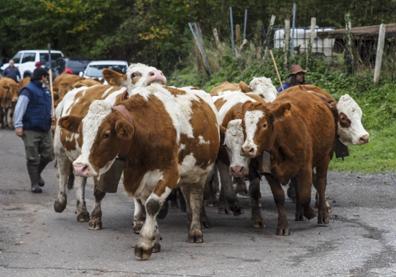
x=298, y=130
x=169, y=137
x=230, y=161
x=65, y=82
x=261, y=86
x=8, y=98
x=67, y=145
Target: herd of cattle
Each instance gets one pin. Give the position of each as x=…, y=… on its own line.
x=160, y=138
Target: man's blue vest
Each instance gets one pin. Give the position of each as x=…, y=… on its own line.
x=38, y=112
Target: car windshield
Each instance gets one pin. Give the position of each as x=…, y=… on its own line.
x=96, y=70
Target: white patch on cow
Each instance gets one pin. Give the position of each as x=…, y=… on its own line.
x=231, y=100
x=251, y=120
x=107, y=92
x=356, y=131
x=201, y=140
x=190, y=172
x=147, y=184
x=263, y=87
x=182, y=147
x=67, y=102
x=98, y=110
x=233, y=140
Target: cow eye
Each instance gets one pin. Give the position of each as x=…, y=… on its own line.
x=136, y=74
x=106, y=134
x=264, y=125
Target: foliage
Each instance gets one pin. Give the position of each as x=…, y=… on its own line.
x=156, y=32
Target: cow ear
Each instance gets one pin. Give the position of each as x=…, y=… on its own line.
x=222, y=133
x=124, y=130
x=114, y=78
x=244, y=87
x=121, y=97
x=70, y=123
x=280, y=111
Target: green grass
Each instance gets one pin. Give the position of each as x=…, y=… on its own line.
x=379, y=155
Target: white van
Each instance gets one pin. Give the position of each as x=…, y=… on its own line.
x=26, y=59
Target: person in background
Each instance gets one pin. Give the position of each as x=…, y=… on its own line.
x=38, y=64
x=12, y=71
x=296, y=77
x=32, y=121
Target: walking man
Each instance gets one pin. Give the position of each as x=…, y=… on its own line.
x=32, y=121
x=12, y=71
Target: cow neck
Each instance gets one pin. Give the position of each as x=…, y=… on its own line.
x=125, y=114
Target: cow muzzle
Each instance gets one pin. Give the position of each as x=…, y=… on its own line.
x=364, y=139
x=81, y=169
x=156, y=76
x=249, y=150
x=238, y=171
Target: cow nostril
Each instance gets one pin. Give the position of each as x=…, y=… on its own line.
x=364, y=139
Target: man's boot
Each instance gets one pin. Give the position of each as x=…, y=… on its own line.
x=34, y=176
x=41, y=167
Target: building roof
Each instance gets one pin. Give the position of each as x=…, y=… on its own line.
x=363, y=31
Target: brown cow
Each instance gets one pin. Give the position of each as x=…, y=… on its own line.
x=8, y=98
x=168, y=136
x=298, y=130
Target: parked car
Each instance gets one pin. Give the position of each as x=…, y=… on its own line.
x=74, y=65
x=94, y=68
x=26, y=59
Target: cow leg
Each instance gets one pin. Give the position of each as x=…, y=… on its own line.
x=9, y=118
x=64, y=170
x=2, y=118
x=82, y=212
x=139, y=215
x=255, y=195
x=149, y=234
x=194, y=196
x=226, y=188
x=279, y=198
x=321, y=181
x=95, y=223
x=303, y=196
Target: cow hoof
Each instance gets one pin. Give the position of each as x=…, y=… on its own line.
x=309, y=213
x=258, y=223
x=323, y=218
x=236, y=210
x=83, y=216
x=157, y=247
x=282, y=231
x=195, y=236
x=59, y=206
x=95, y=224
x=142, y=254
x=137, y=226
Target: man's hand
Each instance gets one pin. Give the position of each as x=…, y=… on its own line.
x=19, y=132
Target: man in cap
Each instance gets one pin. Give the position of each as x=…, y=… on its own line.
x=296, y=77
x=12, y=71
x=32, y=121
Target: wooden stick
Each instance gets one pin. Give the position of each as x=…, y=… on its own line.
x=276, y=68
x=50, y=80
x=380, y=51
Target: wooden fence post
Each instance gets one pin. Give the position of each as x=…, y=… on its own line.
x=257, y=39
x=219, y=46
x=286, y=47
x=269, y=36
x=311, y=41
x=380, y=51
x=197, y=34
x=232, y=31
x=349, y=61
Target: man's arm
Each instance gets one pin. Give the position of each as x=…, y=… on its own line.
x=19, y=112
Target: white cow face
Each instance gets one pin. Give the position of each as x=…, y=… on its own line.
x=141, y=75
x=350, y=127
x=233, y=140
x=264, y=87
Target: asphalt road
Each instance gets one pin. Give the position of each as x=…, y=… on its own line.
x=35, y=241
